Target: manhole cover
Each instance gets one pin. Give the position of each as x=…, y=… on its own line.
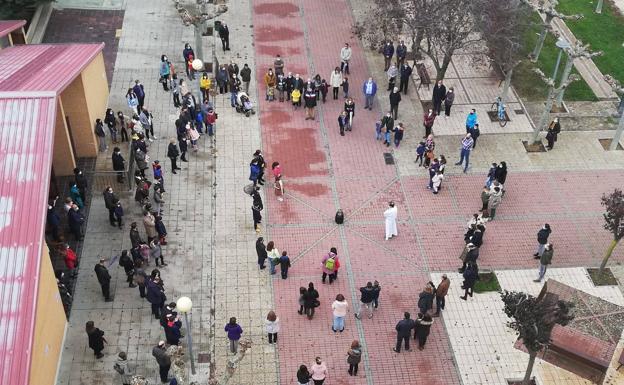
x=388, y=158
x=203, y=358
x=519, y=112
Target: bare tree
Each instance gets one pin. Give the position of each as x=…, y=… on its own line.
x=553, y=93
x=618, y=89
x=503, y=25
x=380, y=22
x=614, y=221
x=533, y=320
x=547, y=8
x=575, y=51
x=197, y=15
x=232, y=365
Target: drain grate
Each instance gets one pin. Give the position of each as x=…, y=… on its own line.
x=388, y=158
x=519, y=112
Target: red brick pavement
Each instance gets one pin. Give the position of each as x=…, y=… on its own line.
x=324, y=171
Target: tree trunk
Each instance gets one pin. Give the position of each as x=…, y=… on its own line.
x=543, y=122
x=417, y=41
x=506, y=85
x=610, y=249
x=441, y=69
x=599, y=6
x=618, y=132
x=540, y=40
x=564, y=78
x=529, y=370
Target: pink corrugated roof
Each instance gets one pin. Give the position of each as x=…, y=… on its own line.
x=8, y=26
x=26, y=146
x=44, y=67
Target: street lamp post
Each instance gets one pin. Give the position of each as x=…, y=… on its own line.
x=562, y=44
x=184, y=305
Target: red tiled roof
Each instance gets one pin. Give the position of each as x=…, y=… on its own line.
x=8, y=26
x=44, y=67
x=26, y=146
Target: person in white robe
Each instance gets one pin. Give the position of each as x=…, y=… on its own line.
x=391, y=226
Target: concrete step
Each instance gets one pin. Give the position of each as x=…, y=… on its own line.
x=39, y=24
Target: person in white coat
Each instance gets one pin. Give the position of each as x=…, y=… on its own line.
x=437, y=181
x=335, y=81
x=391, y=215
x=272, y=326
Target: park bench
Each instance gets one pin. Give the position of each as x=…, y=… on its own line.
x=586, y=349
x=423, y=75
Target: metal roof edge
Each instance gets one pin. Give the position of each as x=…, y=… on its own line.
x=88, y=61
x=19, y=23
x=27, y=94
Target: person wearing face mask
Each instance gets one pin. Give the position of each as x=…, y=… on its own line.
x=270, y=82
x=245, y=75
x=187, y=53
x=471, y=120
x=345, y=57
x=388, y=52
x=428, y=120
x=165, y=72
x=335, y=80
x=439, y=93
x=110, y=201
x=448, y=101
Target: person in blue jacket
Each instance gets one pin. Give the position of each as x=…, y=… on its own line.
x=369, y=89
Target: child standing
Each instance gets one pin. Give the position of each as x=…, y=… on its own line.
x=324, y=89
x=272, y=326
x=279, y=185
x=420, y=153
x=296, y=98
x=234, y=332
x=302, y=294
x=118, y=212
x=162, y=231
x=284, y=262
x=345, y=87
x=211, y=119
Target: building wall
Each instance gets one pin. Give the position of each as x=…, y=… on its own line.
x=50, y=325
x=96, y=88
x=63, y=159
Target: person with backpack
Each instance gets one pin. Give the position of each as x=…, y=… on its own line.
x=121, y=367
x=366, y=299
x=329, y=265
x=542, y=240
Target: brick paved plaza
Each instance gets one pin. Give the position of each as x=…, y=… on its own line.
x=211, y=251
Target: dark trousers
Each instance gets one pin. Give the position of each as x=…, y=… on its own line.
x=403, y=86
x=124, y=135
x=422, y=340
x=272, y=338
x=440, y=301
x=120, y=177
x=176, y=99
x=225, y=42
x=309, y=312
x=156, y=310
x=111, y=216
x=437, y=106
x=142, y=291
x=331, y=277
x=119, y=220
x=174, y=164
x=401, y=339
x=164, y=372
x=447, y=109
x=353, y=368
x=105, y=290
x=318, y=382
x=394, y=110
x=335, y=92
x=284, y=272
x=427, y=130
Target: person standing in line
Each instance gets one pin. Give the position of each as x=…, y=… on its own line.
x=139, y=91
x=345, y=87
x=376, y=292
x=126, y=262
x=119, y=164
x=354, y=356
x=318, y=371
x=398, y=134
x=345, y=58
x=284, y=262
x=545, y=260
x=493, y=201
x=270, y=81
x=404, y=332
x=234, y=332
x=74, y=221
x=342, y=122
x=310, y=300
x=278, y=64
x=485, y=198
x=149, y=223
x=121, y=366
x=554, y=128
x=302, y=296
x=224, y=35
x=303, y=376
x=425, y=299
x=401, y=53
x=339, y=310
x=420, y=153
x=101, y=135
x=335, y=80
x=395, y=99
x=369, y=89
x=272, y=326
x=96, y=339
x=392, y=74
x=387, y=124
x=155, y=295
x=449, y=98
x=262, y=252
x=471, y=120
x=366, y=299
x=542, y=240
x=388, y=52
x=428, y=120
x=436, y=181
x=390, y=216
x=245, y=75
x=422, y=329
x=110, y=201
x=466, y=147
x=164, y=361
x=104, y=279
x=273, y=255
x=500, y=175
x=309, y=99
x=204, y=86
x=406, y=73
x=439, y=93
x=440, y=294
x=471, y=275
x=172, y=329
x=475, y=133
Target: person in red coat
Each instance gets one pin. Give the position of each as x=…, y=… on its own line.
x=70, y=258
x=428, y=120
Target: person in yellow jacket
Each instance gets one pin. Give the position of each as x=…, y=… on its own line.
x=204, y=85
x=296, y=98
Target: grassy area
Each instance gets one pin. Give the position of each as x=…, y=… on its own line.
x=604, y=32
x=529, y=85
x=486, y=282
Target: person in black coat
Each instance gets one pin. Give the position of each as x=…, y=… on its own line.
x=471, y=276
x=472, y=254
x=439, y=93
x=554, y=128
x=404, y=331
x=342, y=122
x=104, y=279
x=542, y=240
x=74, y=221
x=475, y=132
x=501, y=173
x=395, y=99
x=422, y=329
x=128, y=264
x=119, y=164
x=406, y=72
x=261, y=251
x=54, y=222
x=172, y=330
x=155, y=296
x=96, y=339
x=173, y=153
x=224, y=35
x=310, y=300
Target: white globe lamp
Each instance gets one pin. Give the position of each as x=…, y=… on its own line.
x=197, y=66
